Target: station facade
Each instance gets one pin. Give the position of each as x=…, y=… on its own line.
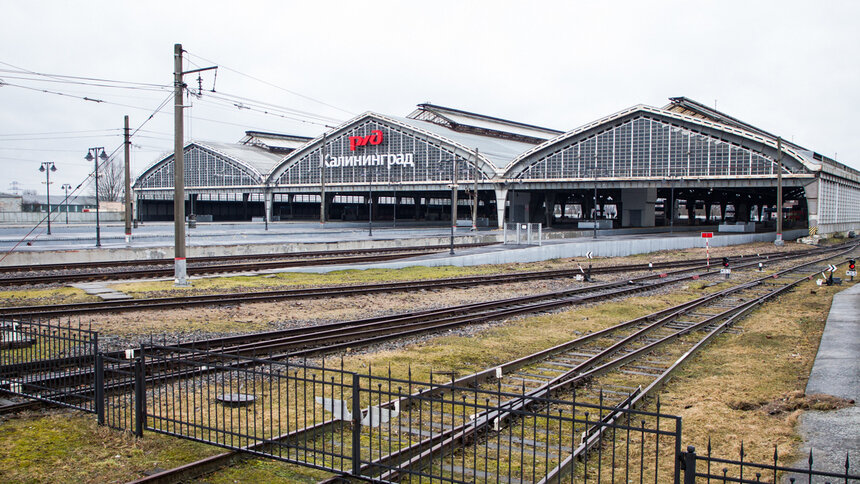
x=683, y=163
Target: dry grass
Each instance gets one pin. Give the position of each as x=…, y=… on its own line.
x=60, y=295
x=742, y=387
x=67, y=446
x=748, y=387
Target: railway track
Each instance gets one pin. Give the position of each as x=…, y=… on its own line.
x=607, y=373
x=119, y=270
x=346, y=290
x=48, y=377
x=338, y=336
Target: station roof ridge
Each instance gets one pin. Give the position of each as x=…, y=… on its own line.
x=455, y=116
x=687, y=105
x=738, y=128
x=493, y=151
x=269, y=134
x=257, y=159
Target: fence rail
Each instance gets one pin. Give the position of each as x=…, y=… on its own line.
x=49, y=361
x=375, y=427
x=708, y=468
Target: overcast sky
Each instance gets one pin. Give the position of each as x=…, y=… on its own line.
x=788, y=67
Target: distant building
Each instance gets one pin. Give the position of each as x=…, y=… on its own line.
x=39, y=203
x=683, y=163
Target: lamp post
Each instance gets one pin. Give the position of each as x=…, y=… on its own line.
x=453, y=200
x=778, y=241
x=595, y=173
x=66, y=187
x=46, y=168
x=370, y=202
x=96, y=154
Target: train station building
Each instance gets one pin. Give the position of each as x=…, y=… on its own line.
x=680, y=164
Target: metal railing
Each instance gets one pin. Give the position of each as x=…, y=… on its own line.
x=49, y=361
x=708, y=468
x=375, y=427
x=384, y=428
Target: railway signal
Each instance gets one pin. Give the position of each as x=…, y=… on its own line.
x=851, y=269
x=725, y=270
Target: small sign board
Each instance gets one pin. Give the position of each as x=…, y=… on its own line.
x=707, y=235
x=851, y=273
x=725, y=270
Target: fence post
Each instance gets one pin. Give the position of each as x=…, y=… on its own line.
x=139, y=397
x=678, y=452
x=356, y=425
x=100, y=389
x=690, y=465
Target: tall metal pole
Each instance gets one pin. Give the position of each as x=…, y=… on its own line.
x=394, y=185
x=66, y=188
x=95, y=155
x=180, y=275
x=369, y=204
x=98, y=225
x=672, y=206
x=778, y=241
x=594, y=236
x=322, y=180
x=453, y=201
x=127, y=146
x=475, y=194
x=46, y=167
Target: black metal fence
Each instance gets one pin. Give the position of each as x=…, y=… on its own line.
x=372, y=426
x=49, y=361
x=390, y=429
x=708, y=468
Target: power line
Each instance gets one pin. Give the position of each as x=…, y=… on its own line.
x=61, y=76
x=262, y=104
x=81, y=83
x=263, y=111
x=60, y=137
x=85, y=181
x=85, y=98
x=271, y=84
x=62, y=132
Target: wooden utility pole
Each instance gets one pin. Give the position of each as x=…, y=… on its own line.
x=778, y=241
x=127, y=146
x=180, y=274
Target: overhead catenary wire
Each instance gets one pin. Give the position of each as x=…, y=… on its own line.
x=96, y=79
x=84, y=182
x=222, y=66
x=62, y=132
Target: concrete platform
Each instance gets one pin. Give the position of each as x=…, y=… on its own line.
x=617, y=245
x=836, y=371
x=155, y=241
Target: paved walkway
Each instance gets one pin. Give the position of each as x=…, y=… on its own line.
x=836, y=371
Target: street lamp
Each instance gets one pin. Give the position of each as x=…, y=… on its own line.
x=370, y=201
x=46, y=168
x=595, y=172
x=96, y=154
x=66, y=187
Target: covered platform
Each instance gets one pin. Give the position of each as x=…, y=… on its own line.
x=683, y=164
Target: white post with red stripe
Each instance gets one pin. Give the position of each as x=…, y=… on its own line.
x=707, y=236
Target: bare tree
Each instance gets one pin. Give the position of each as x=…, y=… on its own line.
x=111, y=181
